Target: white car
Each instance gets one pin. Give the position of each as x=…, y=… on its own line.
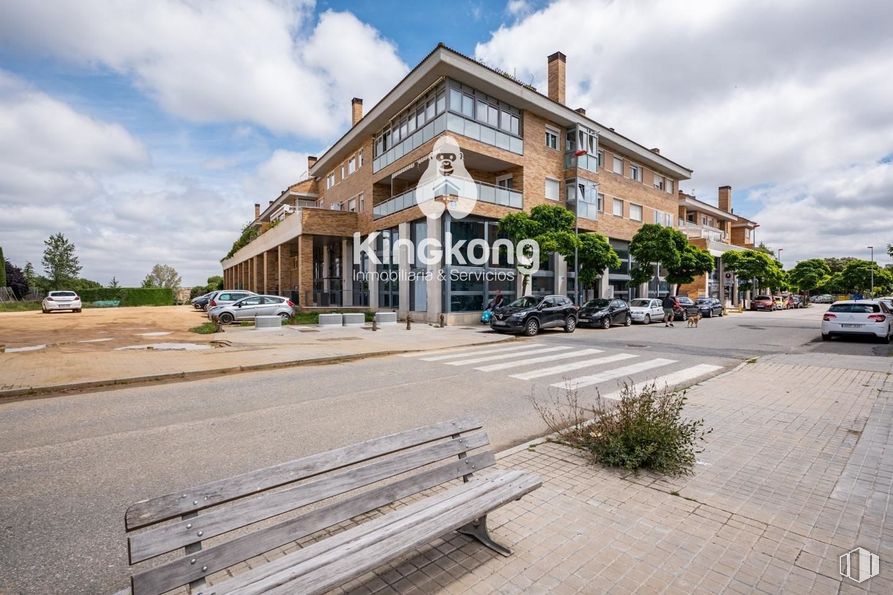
x=858, y=317
x=61, y=300
x=646, y=310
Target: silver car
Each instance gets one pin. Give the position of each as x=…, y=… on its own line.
x=226, y=297
x=251, y=306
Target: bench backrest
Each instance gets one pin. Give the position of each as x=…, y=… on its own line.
x=184, y=519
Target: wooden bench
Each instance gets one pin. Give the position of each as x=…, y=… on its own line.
x=316, y=493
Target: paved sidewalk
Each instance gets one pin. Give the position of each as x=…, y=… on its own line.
x=69, y=367
x=798, y=470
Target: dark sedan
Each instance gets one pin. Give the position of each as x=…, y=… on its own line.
x=603, y=313
x=529, y=314
x=710, y=307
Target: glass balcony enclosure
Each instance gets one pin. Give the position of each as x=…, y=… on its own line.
x=488, y=193
x=694, y=230
x=582, y=198
x=468, y=112
x=581, y=148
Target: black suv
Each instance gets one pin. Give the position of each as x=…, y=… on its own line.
x=529, y=314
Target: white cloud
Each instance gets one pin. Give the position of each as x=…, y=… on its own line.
x=785, y=97
x=274, y=175
x=258, y=61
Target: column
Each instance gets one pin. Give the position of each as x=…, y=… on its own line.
x=403, y=271
x=266, y=276
x=603, y=284
x=435, y=285
x=279, y=270
x=347, y=271
x=735, y=298
x=560, y=275
x=305, y=270
x=720, y=275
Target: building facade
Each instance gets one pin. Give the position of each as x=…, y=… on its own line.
x=521, y=148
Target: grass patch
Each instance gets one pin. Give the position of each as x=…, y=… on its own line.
x=208, y=328
x=306, y=317
x=19, y=306
x=643, y=430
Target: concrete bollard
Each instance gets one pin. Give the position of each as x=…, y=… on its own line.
x=408, y=322
x=331, y=320
x=265, y=323
x=386, y=318
x=354, y=319
x=374, y=324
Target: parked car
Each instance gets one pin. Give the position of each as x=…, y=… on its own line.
x=710, y=307
x=888, y=301
x=529, y=314
x=603, y=313
x=254, y=305
x=762, y=302
x=798, y=301
x=824, y=298
x=862, y=317
x=201, y=301
x=687, y=307
x=226, y=297
x=61, y=300
x=646, y=310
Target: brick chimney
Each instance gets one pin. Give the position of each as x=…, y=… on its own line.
x=557, y=68
x=256, y=210
x=581, y=111
x=356, y=110
x=725, y=198
x=655, y=150
x=311, y=161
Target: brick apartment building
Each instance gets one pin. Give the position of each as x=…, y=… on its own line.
x=521, y=148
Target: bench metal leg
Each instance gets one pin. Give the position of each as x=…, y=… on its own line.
x=478, y=530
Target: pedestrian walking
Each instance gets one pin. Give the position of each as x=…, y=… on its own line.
x=669, y=305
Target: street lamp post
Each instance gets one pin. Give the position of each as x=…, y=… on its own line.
x=872, y=270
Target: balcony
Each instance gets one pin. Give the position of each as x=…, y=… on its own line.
x=496, y=195
x=695, y=231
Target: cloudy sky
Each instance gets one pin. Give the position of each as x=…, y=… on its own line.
x=145, y=131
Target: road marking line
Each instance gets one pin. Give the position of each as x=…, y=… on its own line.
x=537, y=360
x=583, y=381
x=668, y=380
x=438, y=358
x=573, y=366
x=476, y=360
x=449, y=350
x=24, y=349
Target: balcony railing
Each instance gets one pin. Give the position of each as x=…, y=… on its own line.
x=694, y=230
x=488, y=193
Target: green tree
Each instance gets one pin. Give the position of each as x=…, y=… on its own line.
x=550, y=226
x=596, y=255
x=693, y=262
x=2, y=269
x=653, y=244
x=163, y=275
x=754, y=265
x=60, y=261
x=836, y=265
x=857, y=277
x=113, y=284
x=30, y=275
x=808, y=275
x=215, y=282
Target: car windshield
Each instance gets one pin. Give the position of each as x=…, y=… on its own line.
x=640, y=303
x=63, y=294
x=599, y=303
x=855, y=308
x=762, y=297
x=703, y=300
x=524, y=302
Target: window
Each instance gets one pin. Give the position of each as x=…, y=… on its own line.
x=601, y=159
x=504, y=181
x=359, y=159
x=748, y=235
x=352, y=205
x=552, y=138
x=330, y=180
x=635, y=172
x=351, y=166
x=552, y=189
x=343, y=175
x=670, y=186
x=601, y=203
x=618, y=207
x=635, y=212
x=618, y=165
x=659, y=182
x=362, y=201
x=663, y=218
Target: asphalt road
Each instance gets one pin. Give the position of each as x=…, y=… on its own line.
x=71, y=465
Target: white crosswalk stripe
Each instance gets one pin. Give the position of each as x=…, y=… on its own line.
x=452, y=350
x=490, y=358
x=537, y=360
x=573, y=366
x=583, y=381
x=669, y=380
x=437, y=358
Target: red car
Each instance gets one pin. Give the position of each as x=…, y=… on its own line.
x=762, y=302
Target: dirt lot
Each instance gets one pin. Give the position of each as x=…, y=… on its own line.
x=101, y=329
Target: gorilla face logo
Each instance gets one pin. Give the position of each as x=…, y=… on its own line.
x=446, y=185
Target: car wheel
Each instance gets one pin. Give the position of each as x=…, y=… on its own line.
x=532, y=327
x=647, y=319
x=684, y=315
x=78, y=310
x=45, y=311
x=284, y=315
x=710, y=313
x=570, y=324
x=826, y=337
x=226, y=318
x=606, y=322
x=628, y=321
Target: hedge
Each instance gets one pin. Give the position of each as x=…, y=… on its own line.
x=130, y=296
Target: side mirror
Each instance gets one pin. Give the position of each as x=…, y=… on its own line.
x=238, y=305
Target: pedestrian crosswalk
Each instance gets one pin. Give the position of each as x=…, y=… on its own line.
x=576, y=367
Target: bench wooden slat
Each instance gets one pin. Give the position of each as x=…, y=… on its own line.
x=157, y=541
x=364, y=547
x=166, y=507
x=180, y=572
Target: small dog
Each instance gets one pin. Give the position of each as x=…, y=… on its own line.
x=693, y=320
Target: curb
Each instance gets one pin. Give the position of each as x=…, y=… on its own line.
x=113, y=383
